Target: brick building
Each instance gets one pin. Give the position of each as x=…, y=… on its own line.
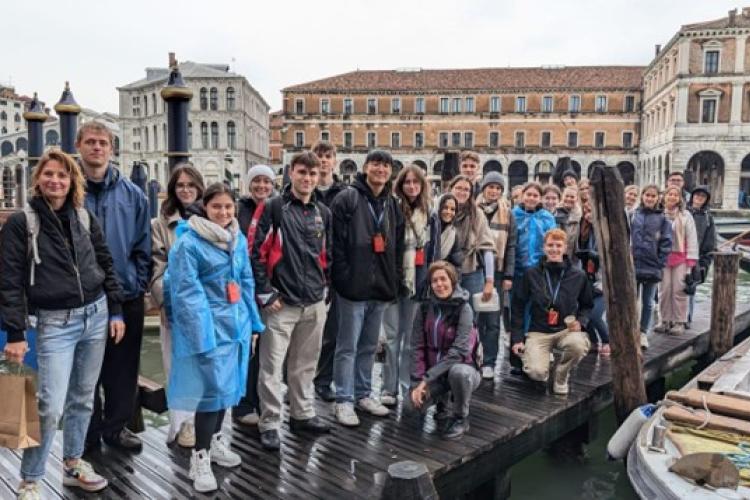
x=275, y=145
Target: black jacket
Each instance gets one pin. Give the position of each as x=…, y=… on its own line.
x=574, y=298
x=359, y=273
x=301, y=276
x=67, y=278
x=706, y=231
x=245, y=210
x=326, y=196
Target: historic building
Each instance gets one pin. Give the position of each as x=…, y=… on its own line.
x=696, y=108
x=11, y=110
x=276, y=146
x=228, y=127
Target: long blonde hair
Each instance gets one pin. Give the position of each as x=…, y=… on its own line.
x=77, y=190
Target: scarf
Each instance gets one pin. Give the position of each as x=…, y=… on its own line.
x=677, y=217
x=416, y=235
x=498, y=214
x=447, y=240
x=473, y=234
x=214, y=233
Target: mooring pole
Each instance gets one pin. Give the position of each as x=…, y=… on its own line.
x=723, y=303
x=178, y=97
x=68, y=109
x=616, y=263
x=35, y=118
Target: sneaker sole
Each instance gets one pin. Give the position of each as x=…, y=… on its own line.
x=206, y=489
x=75, y=483
x=351, y=423
x=224, y=463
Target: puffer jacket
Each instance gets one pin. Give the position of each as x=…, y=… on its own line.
x=706, y=233
x=651, y=243
x=531, y=226
x=326, y=196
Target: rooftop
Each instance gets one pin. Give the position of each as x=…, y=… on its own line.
x=189, y=69
x=733, y=20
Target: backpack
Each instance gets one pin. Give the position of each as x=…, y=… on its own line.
x=32, y=233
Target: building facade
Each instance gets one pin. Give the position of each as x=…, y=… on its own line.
x=228, y=123
x=276, y=146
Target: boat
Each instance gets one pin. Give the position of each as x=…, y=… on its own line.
x=665, y=442
x=729, y=227
x=742, y=245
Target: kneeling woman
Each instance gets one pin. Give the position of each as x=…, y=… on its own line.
x=444, y=348
x=212, y=312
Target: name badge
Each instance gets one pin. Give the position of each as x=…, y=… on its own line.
x=378, y=243
x=233, y=292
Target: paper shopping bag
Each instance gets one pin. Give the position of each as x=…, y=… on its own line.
x=19, y=417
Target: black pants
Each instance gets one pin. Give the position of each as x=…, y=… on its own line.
x=207, y=423
x=250, y=402
x=324, y=375
x=119, y=376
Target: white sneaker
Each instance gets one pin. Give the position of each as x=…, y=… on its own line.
x=488, y=372
x=644, y=341
x=221, y=454
x=346, y=415
x=29, y=491
x=249, y=419
x=201, y=473
x=82, y=475
x=560, y=385
x=388, y=399
x=373, y=407
x=186, y=436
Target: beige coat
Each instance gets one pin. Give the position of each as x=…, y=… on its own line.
x=162, y=239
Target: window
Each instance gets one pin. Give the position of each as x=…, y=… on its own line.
x=204, y=98
x=574, y=104
x=348, y=106
x=419, y=140
x=546, y=139
x=396, y=105
x=495, y=104
x=190, y=136
x=443, y=139
x=395, y=140
x=629, y=103
x=456, y=108
x=214, y=100
x=145, y=137
x=572, y=139
x=520, y=141
x=708, y=110
x=494, y=139
x=444, y=104
x=204, y=135
x=469, y=104
x=299, y=139
x=599, y=140
x=156, y=138
x=325, y=135
x=145, y=105
x=547, y=104
x=17, y=118
x=231, y=135
x=325, y=106
x=214, y=135
x=627, y=140
x=469, y=140
x=230, y=98
x=371, y=140
x=456, y=139
x=711, y=62
x=299, y=106
x=348, y=142
x=3, y=115
x=520, y=104
x=372, y=106
x=419, y=105
x=153, y=102
x=601, y=104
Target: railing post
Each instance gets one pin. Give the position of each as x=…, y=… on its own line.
x=68, y=109
x=178, y=96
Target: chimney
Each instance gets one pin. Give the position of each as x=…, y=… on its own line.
x=732, y=17
x=657, y=49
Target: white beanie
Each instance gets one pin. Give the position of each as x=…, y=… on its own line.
x=258, y=170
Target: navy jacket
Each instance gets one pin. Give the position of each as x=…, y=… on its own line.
x=650, y=242
x=122, y=211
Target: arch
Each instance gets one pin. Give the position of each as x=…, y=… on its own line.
x=518, y=173
x=492, y=166
x=51, y=137
x=577, y=167
x=592, y=165
x=348, y=167
x=437, y=168
x=6, y=148
x=706, y=168
x=627, y=172
x=543, y=171
x=22, y=143
x=421, y=164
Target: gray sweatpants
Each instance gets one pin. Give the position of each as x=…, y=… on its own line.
x=460, y=381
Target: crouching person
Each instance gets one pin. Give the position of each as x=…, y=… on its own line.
x=444, y=352
x=561, y=299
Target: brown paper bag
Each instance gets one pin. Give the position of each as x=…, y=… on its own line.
x=19, y=417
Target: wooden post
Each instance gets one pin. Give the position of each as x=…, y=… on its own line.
x=409, y=480
x=723, y=302
x=616, y=264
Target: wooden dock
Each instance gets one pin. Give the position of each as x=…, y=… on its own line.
x=510, y=419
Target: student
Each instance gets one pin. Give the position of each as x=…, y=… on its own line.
x=184, y=188
x=250, y=210
x=677, y=179
x=210, y=303
x=367, y=272
x=551, y=198
x=706, y=234
x=443, y=243
x=673, y=301
x=568, y=218
x=651, y=243
x=444, y=362
x=503, y=229
x=570, y=178
x=632, y=193
x=468, y=166
x=560, y=300
x=121, y=209
x=412, y=192
x=74, y=293
x=516, y=193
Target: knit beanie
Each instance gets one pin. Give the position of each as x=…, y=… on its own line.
x=258, y=170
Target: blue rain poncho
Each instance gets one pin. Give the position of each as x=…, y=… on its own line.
x=210, y=336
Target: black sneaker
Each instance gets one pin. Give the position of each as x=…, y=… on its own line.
x=315, y=425
x=125, y=439
x=270, y=440
x=325, y=393
x=456, y=428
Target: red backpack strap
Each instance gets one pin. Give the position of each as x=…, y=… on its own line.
x=253, y=227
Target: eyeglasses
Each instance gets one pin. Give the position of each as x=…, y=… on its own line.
x=181, y=186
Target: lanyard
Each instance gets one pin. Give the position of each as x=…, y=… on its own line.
x=377, y=219
x=554, y=292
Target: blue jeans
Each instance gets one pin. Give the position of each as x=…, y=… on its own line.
x=70, y=350
x=488, y=324
x=398, y=322
x=597, y=321
x=356, y=342
x=648, y=293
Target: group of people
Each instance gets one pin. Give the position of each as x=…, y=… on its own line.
x=298, y=286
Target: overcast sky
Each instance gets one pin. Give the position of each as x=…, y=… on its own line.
x=99, y=45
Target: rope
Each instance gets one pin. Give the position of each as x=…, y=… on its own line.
x=740, y=459
x=707, y=415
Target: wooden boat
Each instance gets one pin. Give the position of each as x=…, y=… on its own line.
x=742, y=246
x=729, y=227
x=651, y=456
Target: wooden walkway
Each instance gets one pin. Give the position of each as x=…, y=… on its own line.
x=510, y=419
